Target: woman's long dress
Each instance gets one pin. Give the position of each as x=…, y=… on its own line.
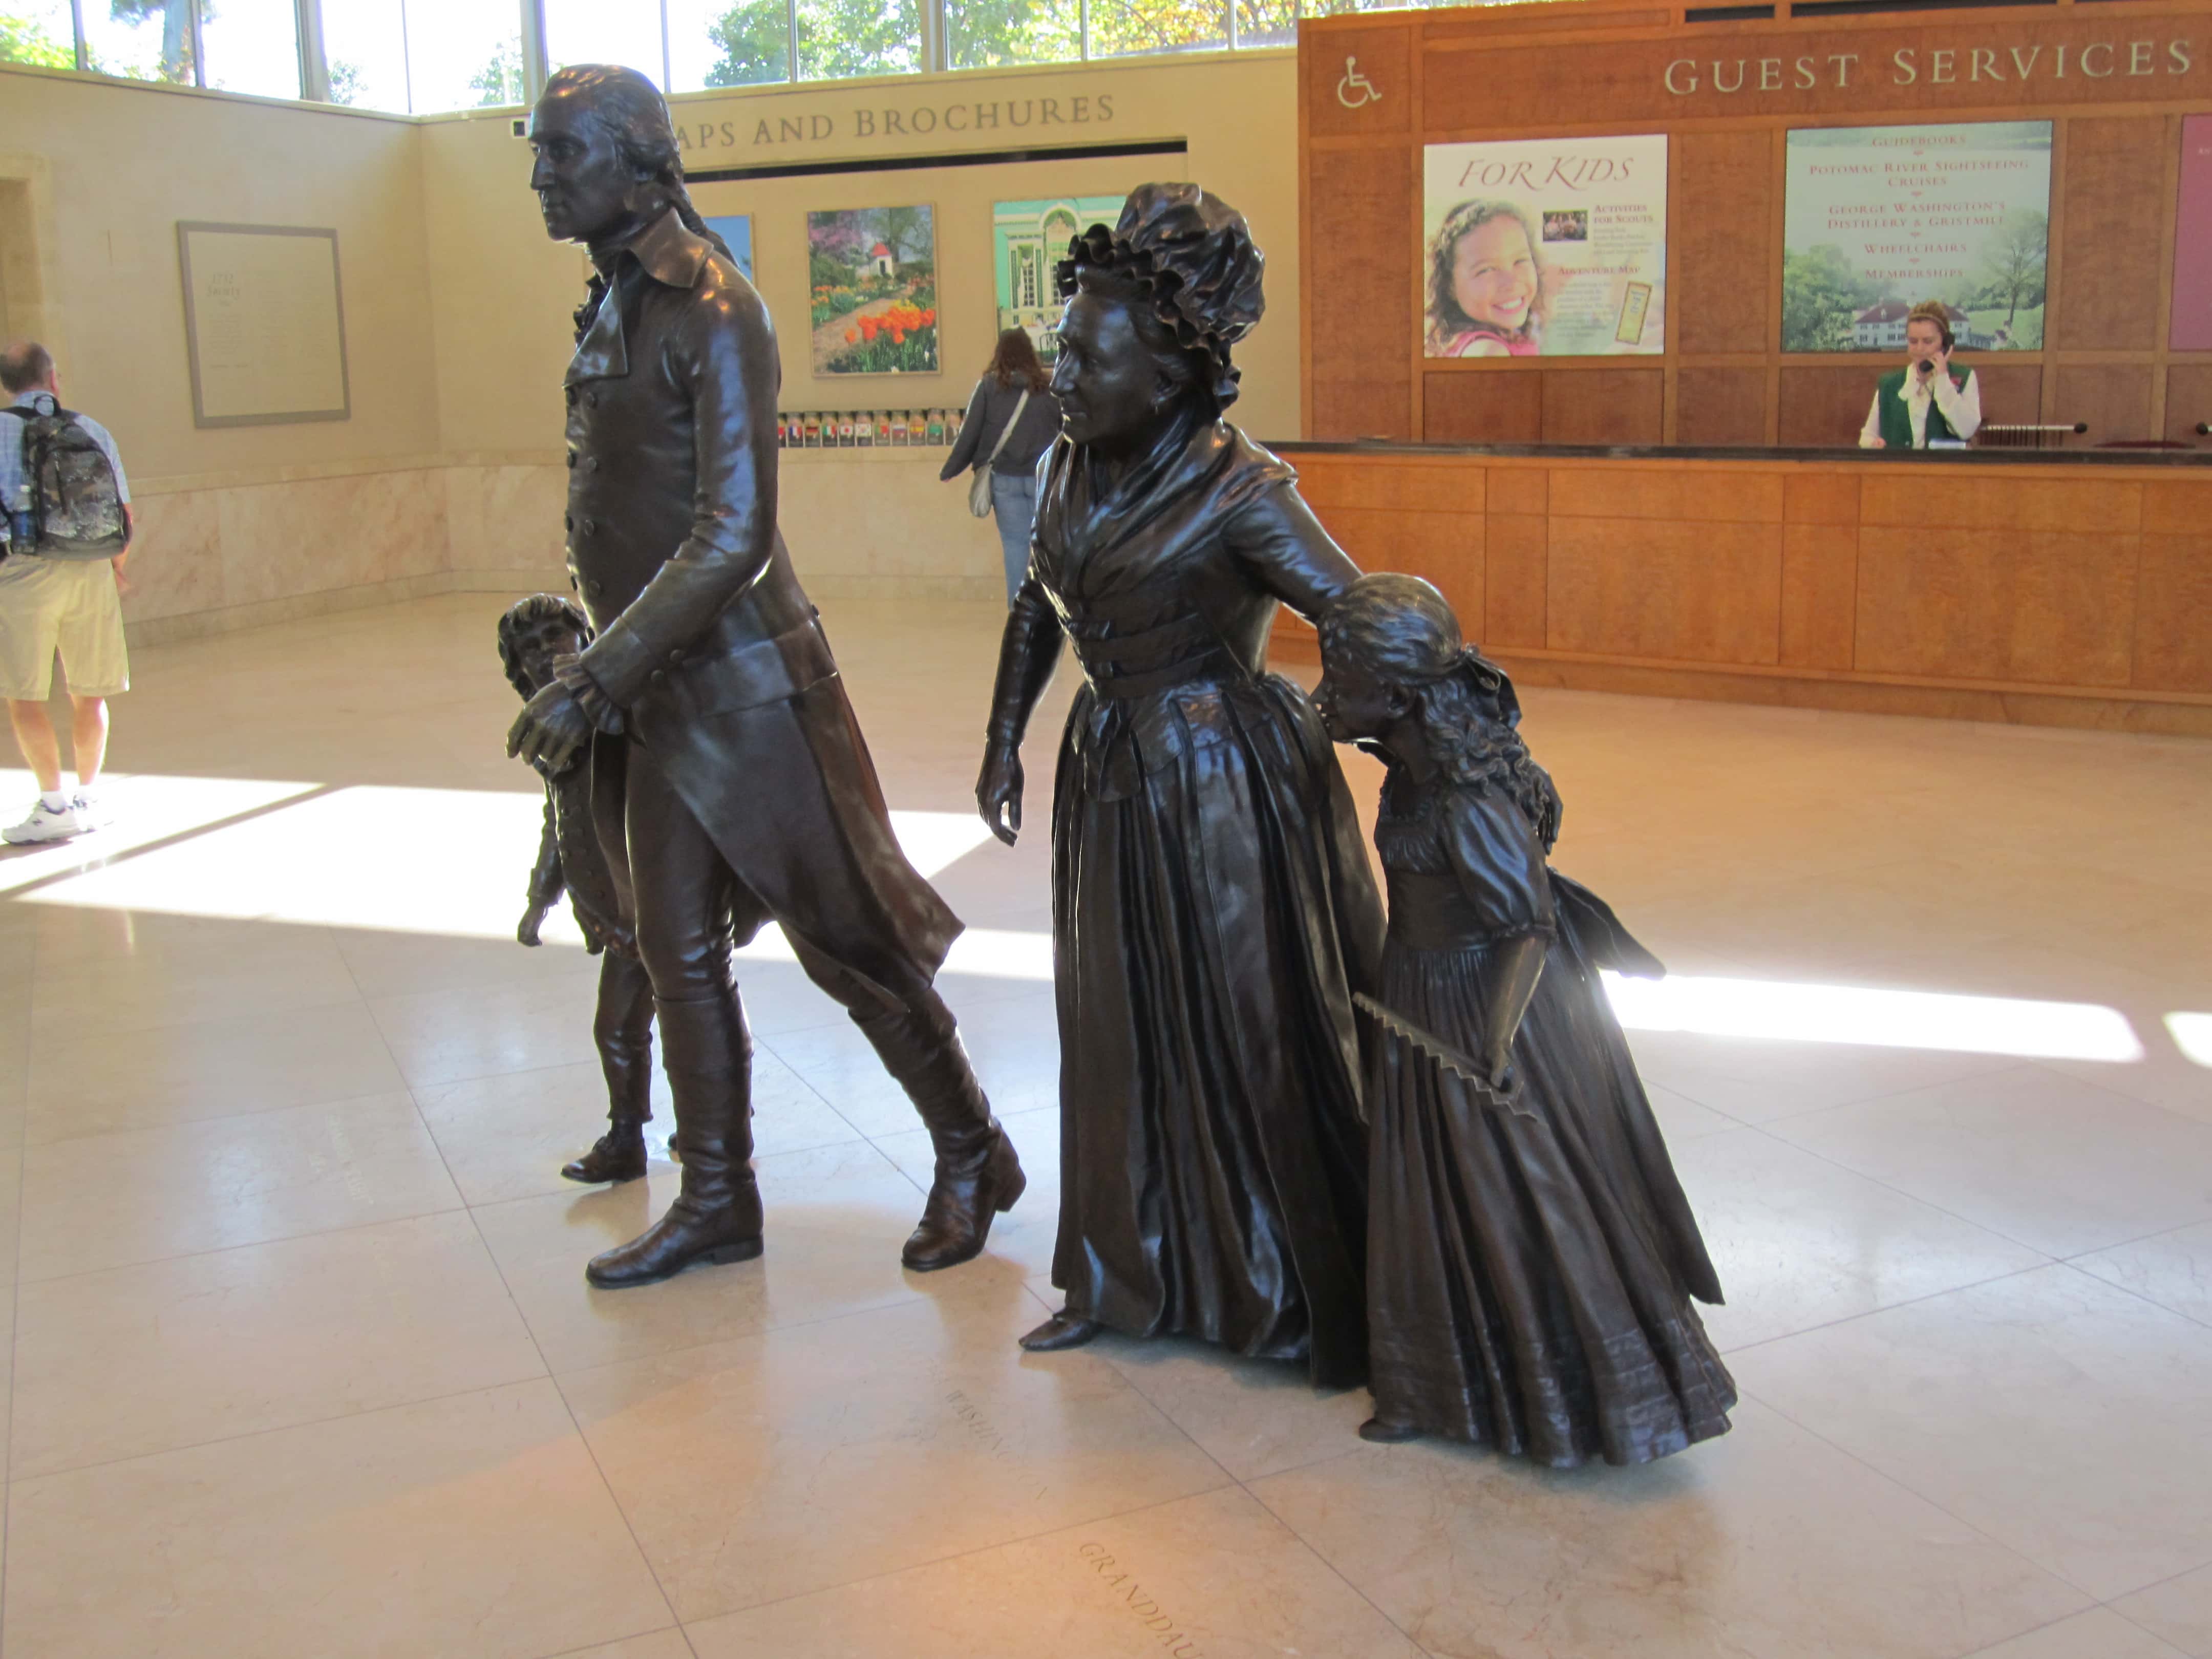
x=1530, y=1276
x=1213, y=910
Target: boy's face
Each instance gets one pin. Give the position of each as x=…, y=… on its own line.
x=1352, y=703
x=536, y=649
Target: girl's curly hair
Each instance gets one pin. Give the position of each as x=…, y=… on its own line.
x=1402, y=631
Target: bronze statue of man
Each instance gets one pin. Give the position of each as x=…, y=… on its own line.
x=747, y=794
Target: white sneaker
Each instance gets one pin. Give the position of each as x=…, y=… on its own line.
x=91, y=811
x=45, y=823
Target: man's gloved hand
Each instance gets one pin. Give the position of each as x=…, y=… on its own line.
x=551, y=730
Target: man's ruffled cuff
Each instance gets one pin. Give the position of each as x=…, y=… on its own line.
x=598, y=706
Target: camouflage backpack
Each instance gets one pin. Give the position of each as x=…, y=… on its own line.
x=75, y=509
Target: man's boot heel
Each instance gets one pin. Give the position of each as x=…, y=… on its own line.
x=1011, y=1190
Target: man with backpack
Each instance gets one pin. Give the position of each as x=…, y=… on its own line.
x=65, y=530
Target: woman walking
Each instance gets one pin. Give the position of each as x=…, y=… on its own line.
x=1212, y=912
x=1015, y=390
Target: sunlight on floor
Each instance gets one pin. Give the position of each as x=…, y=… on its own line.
x=1876, y=1016
x=456, y=862
x=2192, y=1034
x=145, y=815
x=449, y=861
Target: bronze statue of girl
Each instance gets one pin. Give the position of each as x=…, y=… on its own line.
x=1531, y=1256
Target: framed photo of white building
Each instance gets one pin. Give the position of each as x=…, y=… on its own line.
x=872, y=278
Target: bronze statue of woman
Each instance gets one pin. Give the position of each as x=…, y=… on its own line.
x=1213, y=913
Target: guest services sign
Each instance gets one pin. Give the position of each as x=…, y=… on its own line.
x=1789, y=71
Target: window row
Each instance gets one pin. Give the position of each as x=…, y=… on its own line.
x=426, y=56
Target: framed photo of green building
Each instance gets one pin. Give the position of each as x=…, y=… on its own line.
x=1028, y=238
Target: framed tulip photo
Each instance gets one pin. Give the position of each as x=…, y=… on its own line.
x=872, y=273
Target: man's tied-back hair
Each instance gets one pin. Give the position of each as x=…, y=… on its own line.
x=526, y=617
x=1188, y=258
x=630, y=111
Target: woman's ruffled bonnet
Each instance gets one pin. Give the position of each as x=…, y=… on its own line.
x=1191, y=256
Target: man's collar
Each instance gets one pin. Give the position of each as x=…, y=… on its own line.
x=33, y=396
x=666, y=250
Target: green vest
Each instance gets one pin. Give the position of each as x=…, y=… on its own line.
x=1897, y=419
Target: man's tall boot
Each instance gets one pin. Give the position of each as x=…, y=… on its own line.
x=978, y=1176
x=717, y=1216
x=619, y=1154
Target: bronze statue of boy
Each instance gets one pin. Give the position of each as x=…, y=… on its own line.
x=748, y=792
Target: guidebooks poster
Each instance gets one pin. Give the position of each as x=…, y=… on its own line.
x=1877, y=219
x=1546, y=247
x=1028, y=239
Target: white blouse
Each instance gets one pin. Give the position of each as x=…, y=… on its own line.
x=1962, y=406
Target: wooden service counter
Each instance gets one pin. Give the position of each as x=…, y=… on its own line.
x=2048, y=589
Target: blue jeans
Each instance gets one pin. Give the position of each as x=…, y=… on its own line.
x=1014, y=502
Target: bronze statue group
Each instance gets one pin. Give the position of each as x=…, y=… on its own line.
x=1416, y=1156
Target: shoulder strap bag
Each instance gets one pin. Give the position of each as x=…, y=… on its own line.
x=979, y=488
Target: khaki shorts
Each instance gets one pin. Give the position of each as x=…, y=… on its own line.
x=69, y=605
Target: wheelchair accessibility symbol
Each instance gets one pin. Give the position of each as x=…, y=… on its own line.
x=1356, y=90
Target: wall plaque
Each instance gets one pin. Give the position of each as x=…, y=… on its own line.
x=264, y=326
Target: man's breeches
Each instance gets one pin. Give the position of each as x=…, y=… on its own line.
x=689, y=903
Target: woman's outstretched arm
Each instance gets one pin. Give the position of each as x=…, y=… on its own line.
x=1280, y=540
x=1028, y=652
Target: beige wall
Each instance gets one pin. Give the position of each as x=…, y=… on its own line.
x=126, y=162
x=457, y=310
x=502, y=295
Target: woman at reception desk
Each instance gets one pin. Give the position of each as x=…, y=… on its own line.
x=1927, y=404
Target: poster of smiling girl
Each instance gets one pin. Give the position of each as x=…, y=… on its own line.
x=1550, y=246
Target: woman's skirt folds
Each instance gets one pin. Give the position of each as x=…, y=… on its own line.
x=1530, y=1276
x=1213, y=913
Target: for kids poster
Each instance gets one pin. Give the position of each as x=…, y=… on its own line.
x=1877, y=219
x=1546, y=247
x=1028, y=238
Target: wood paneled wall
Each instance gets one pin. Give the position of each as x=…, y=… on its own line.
x=2052, y=594
x=1568, y=67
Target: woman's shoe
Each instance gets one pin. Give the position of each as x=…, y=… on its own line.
x=1387, y=1433
x=1063, y=1330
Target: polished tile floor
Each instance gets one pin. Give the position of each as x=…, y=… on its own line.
x=303, y=1363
